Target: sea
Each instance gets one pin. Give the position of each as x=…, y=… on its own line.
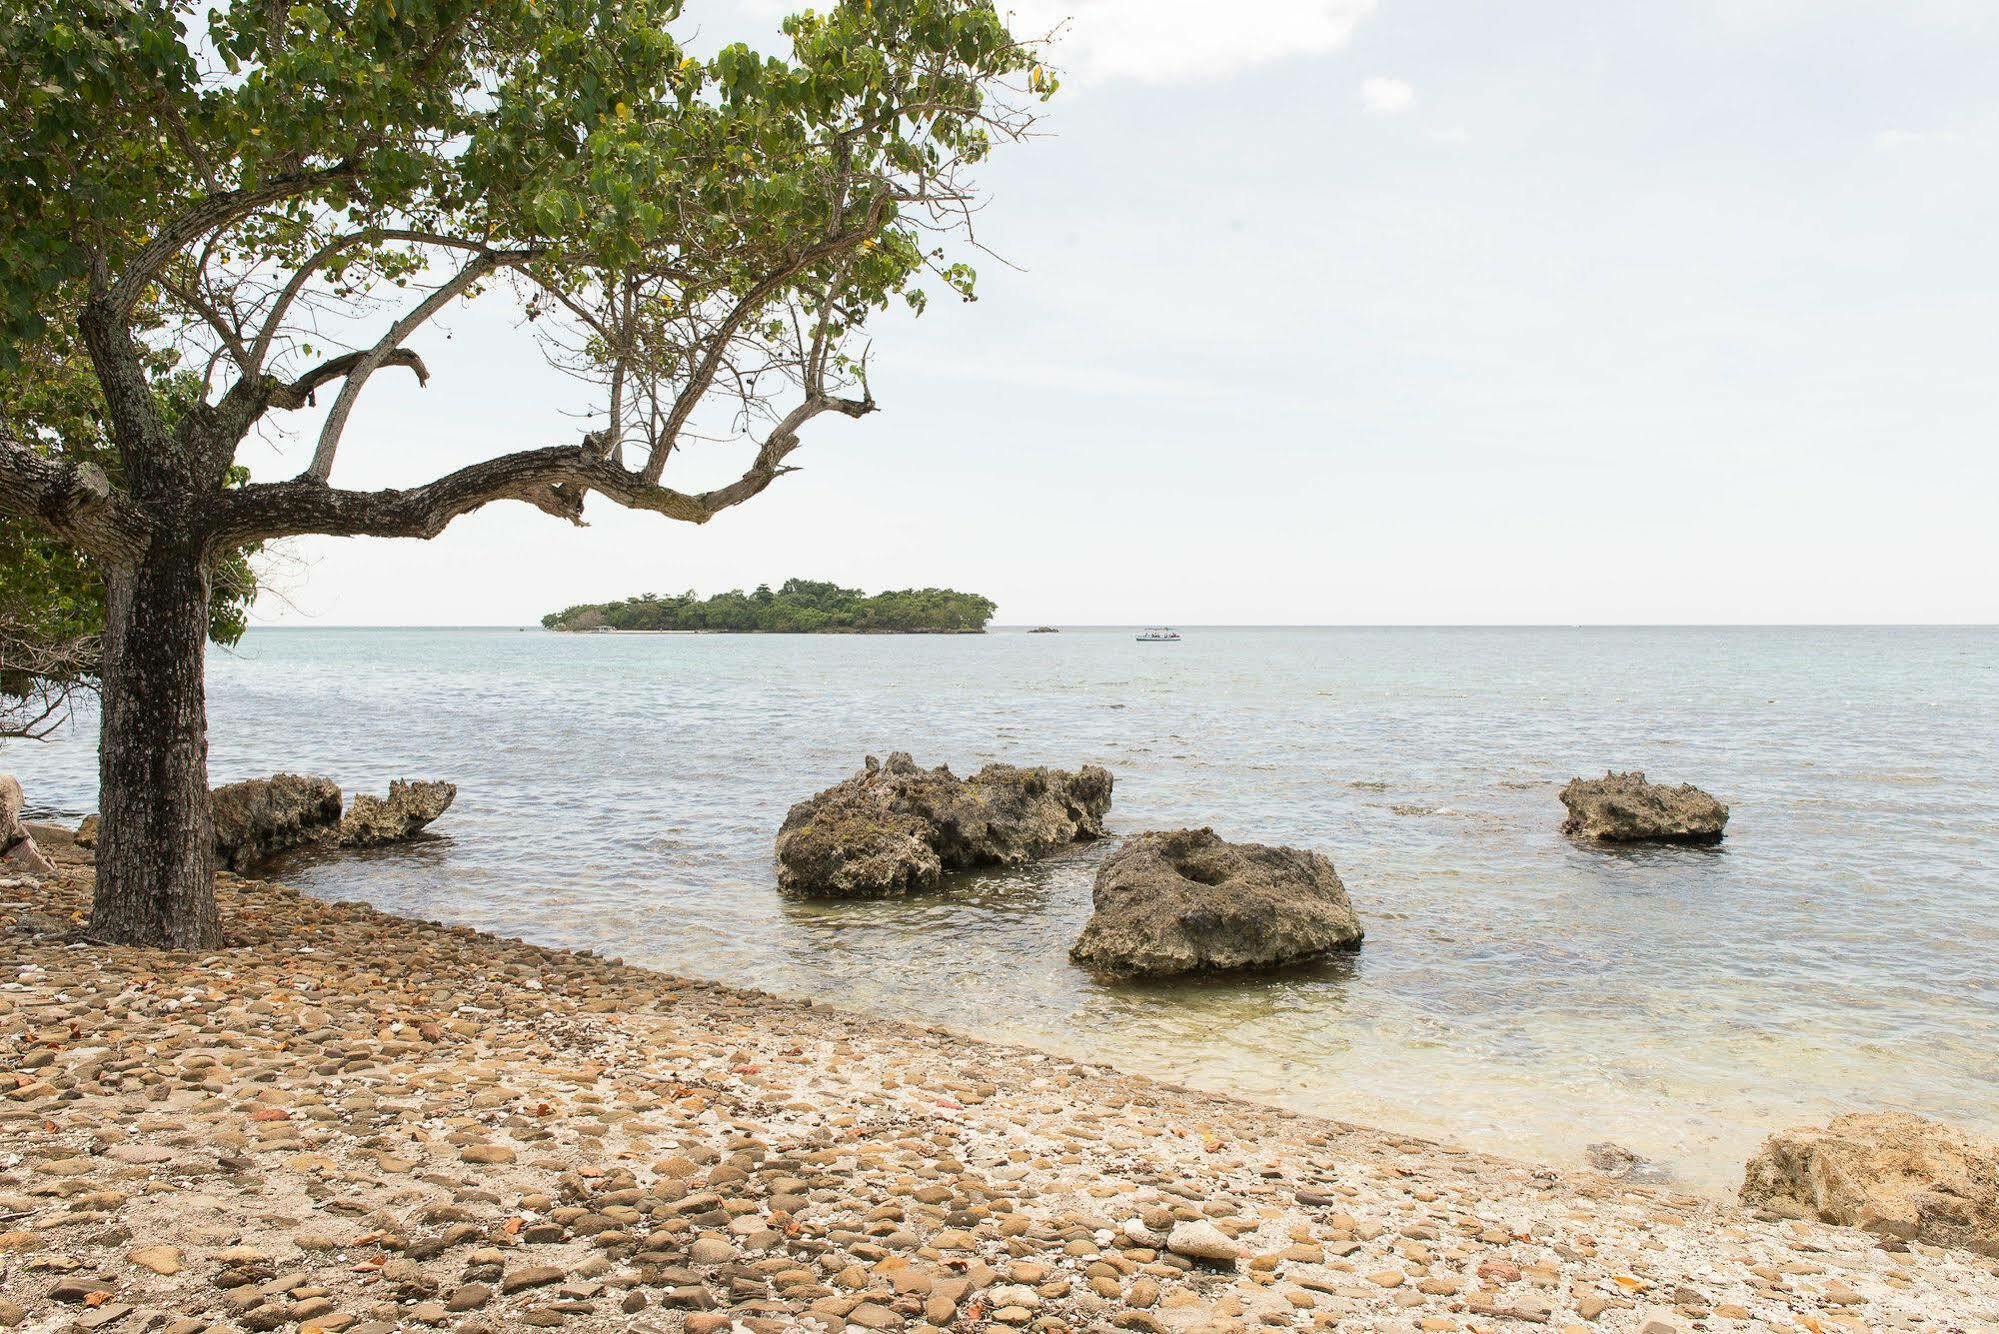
x=1516, y=993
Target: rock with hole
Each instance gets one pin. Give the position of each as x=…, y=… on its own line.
x=1186, y=901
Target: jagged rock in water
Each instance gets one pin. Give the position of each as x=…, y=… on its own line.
x=1624, y=808
x=853, y=850
x=260, y=818
x=371, y=821
x=1185, y=901
x=895, y=828
x=1888, y=1172
x=17, y=846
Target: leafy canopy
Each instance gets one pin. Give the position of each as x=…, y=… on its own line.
x=579, y=131
x=51, y=594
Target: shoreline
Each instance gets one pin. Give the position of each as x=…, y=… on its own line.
x=362, y=1116
x=845, y=630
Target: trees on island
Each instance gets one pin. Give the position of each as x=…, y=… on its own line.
x=801, y=606
x=243, y=213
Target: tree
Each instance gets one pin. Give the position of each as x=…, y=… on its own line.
x=52, y=594
x=278, y=197
x=802, y=606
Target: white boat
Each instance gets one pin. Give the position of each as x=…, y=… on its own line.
x=1160, y=634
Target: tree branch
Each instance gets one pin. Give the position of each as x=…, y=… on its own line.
x=206, y=215
x=555, y=480
x=70, y=500
x=232, y=341
x=298, y=394
x=274, y=321
x=356, y=376
x=718, y=345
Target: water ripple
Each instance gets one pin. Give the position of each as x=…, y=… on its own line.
x=1515, y=992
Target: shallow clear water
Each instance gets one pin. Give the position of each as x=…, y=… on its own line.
x=1515, y=993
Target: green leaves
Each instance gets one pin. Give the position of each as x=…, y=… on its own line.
x=307, y=156
x=801, y=606
x=52, y=596
x=544, y=119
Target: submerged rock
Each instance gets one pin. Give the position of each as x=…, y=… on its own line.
x=1624, y=808
x=1185, y=901
x=1887, y=1172
x=260, y=818
x=895, y=828
x=411, y=804
x=17, y=846
x=1614, y=1160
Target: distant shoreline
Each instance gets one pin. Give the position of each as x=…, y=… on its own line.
x=1249, y=625
x=798, y=606
x=830, y=630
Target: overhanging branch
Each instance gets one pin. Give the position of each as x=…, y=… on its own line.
x=356, y=376
x=298, y=394
x=554, y=480
x=703, y=377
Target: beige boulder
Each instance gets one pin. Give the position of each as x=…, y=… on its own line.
x=17, y=846
x=411, y=804
x=1887, y=1172
x=264, y=818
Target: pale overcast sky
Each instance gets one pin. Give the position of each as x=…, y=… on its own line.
x=1336, y=311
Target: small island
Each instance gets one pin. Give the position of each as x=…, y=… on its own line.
x=801, y=606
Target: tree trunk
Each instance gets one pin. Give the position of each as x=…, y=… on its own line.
x=156, y=847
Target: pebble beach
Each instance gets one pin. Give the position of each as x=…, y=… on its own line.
x=350, y=1121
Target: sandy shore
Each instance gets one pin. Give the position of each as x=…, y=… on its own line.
x=348, y=1121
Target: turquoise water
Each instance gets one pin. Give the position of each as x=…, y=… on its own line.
x=1516, y=993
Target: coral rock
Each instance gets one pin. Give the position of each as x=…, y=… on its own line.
x=1186, y=901
x=894, y=828
x=1624, y=808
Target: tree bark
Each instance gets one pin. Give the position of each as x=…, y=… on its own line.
x=156, y=850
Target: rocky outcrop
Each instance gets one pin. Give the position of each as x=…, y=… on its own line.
x=1185, y=901
x=261, y=818
x=264, y=818
x=372, y=821
x=895, y=828
x=17, y=846
x=1888, y=1172
x=1624, y=808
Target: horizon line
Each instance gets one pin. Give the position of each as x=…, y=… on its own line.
x=1241, y=625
